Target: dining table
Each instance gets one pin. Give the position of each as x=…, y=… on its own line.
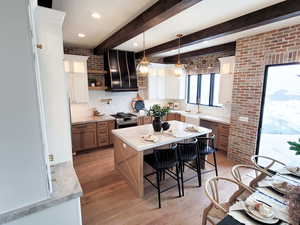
x=130, y=146
x=268, y=195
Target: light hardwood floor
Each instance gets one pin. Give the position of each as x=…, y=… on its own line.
x=108, y=200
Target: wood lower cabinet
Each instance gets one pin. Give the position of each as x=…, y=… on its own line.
x=84, y=136
x=92, y=135
x=221, y=131
x=173, y=116
x=223, y=138
x=142, y=120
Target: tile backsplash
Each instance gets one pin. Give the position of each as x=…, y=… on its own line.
x=121, y=102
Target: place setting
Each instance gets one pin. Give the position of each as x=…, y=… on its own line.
x=254, y=211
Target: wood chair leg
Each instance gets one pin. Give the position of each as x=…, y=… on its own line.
x=158, y=187
x=215, y=163
x=177, y=179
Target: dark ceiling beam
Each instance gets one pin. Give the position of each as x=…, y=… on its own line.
x=45, y=3
x=271, y=14
x=157, y=13
x=219, y=48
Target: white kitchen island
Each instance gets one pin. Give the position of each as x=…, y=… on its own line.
x=129, y=148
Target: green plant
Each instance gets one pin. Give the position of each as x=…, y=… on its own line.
x=158, y=111
x=294, y=146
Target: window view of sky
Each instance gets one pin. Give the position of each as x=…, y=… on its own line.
x=281, y=118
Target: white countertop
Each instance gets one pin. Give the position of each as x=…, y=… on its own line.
x=65, y=188
x=204, y=116
x=91, y=119
x=132, y=136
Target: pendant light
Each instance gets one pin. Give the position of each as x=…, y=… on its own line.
x=179, y=67
x=143, y=66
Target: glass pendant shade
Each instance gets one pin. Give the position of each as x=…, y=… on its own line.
x=143, y=67
x=179, y=70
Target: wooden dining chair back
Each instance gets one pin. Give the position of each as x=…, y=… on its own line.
x=249, y=175
x=268, y=161
x=218, y=209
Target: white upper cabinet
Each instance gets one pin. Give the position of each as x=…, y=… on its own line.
x=226, y=85
x=227, y=65
x=163, y=84
x=54, y=82
x=76, y=69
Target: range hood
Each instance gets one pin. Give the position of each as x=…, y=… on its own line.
x=121, y=71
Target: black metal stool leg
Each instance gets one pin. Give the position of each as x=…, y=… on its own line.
x=181, y=176
x=158, y=187
x=215, y=163
x=198, y=170
x=177, y=179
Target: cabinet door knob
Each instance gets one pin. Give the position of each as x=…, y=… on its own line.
x=51, y=158
x=40, y=46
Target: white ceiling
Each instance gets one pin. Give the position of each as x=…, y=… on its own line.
x=114, y=15
x=200, y=16
x=117, y=13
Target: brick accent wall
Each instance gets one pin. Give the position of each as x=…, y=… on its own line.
x=252, y=55
x=94, y=62
x=200, y=64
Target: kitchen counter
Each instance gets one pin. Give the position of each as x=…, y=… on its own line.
x=129, y=147
x=91, y=119
x=132, y=136
x=66, y=187
x=219, y=119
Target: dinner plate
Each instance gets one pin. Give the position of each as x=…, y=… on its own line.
x=255, y=215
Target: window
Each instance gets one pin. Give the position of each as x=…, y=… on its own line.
x=204, y=89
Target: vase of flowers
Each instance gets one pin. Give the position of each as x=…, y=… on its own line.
x=157, y=112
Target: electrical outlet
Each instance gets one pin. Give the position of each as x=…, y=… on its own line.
x=243, y=119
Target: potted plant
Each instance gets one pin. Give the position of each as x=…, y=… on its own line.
x=157, y=112
x=294, y=146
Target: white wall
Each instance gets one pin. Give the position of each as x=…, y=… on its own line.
x=23, y=174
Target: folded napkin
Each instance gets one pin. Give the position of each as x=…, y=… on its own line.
x=150, y=137
x=193, y=129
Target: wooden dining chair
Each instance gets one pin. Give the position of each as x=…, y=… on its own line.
x=270, y=162
x=249, y=175
x=217, y=210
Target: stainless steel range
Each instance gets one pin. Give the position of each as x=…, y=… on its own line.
x=125, y=120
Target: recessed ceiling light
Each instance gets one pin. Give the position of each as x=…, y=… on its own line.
x=96, y=15
x=135, y=44
x=81, y=35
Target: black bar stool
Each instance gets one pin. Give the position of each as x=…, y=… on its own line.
x=188, y=153
x=207, y=147
x=162, y=161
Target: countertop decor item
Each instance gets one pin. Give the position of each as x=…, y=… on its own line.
x=165, y=126
x=157, y=112
x=138, y=103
